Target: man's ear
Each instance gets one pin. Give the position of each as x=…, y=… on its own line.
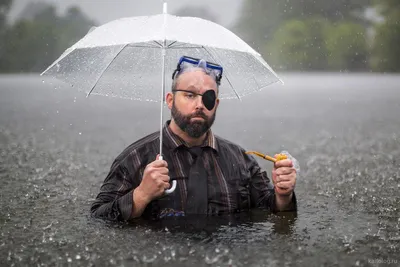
x=216, y=103
x=169, y=99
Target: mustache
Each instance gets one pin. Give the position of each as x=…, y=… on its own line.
x=199, y=114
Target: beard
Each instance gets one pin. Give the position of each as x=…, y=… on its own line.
x=194, y=129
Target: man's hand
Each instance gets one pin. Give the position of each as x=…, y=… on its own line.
x=155, y=179
x=154, y=183
x=284, y=179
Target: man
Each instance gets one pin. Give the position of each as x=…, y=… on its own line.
x=214, y=176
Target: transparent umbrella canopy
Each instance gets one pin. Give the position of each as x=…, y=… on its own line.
x=134, y=58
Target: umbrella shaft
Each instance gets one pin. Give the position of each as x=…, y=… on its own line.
x=162, y=97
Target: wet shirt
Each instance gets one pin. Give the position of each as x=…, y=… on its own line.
x=234, y=180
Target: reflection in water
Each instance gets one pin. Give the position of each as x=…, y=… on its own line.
x=281, y=223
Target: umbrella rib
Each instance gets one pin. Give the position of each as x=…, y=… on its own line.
x=108, y=65
x=169, y=46
x=144, y=46
x=160, y=45
x=185, y=47
x=226, y=76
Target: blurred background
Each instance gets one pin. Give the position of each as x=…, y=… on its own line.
x=292, y=35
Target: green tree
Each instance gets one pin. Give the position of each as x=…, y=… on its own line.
x=346, y=46
x=386, y=7
x=288, y=32
x=29, y=45
x=32, y=45
x=261, y=18
x=4, y=8
x=386, y=50
x=333, y=10
x=299, y=44
x=258, y=21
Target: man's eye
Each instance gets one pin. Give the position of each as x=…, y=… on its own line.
x=190, y=95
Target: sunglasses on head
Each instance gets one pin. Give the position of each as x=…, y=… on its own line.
x=190, y=62
x=208, y=98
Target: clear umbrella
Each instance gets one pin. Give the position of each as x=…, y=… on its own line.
x=127, y=57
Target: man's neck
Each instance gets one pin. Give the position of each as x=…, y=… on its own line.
x=189, y=140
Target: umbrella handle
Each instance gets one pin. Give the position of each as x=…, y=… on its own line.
x=173, y=187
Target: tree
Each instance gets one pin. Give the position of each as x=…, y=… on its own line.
x=386, y=7
x=32, y=45
x=4, y=8
x=258, y=21
x=291, y=33
x=347, y=46
x=332, y=10
x=261, y=18
x=386, y=50
x=299, y=44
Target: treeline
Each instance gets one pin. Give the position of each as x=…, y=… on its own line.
x=305, y=35
x=324, y=35
x=30, y=45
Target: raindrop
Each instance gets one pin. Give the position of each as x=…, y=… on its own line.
x=80, y=133
x=78, y=257
x=42, y=81
x=69, y=260
x=149, y=260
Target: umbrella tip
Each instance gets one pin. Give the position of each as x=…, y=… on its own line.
x=165, y=9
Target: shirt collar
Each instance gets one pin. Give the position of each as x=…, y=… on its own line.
x=173, y=141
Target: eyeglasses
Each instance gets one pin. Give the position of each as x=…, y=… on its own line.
x=190, y=62
x=208, y=98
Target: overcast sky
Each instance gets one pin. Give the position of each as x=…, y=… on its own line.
x=105, y=10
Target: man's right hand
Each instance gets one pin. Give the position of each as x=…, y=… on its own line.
x=155, y=180
x=154, y=183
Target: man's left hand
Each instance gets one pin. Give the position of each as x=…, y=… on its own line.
x=284, y=177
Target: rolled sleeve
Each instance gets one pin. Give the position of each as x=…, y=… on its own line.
x=115, y=200
x=261, y=188
x=125, y=204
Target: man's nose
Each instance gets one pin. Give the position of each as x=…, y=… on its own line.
x=199, y=102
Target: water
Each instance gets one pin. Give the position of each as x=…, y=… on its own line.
x=57, y=146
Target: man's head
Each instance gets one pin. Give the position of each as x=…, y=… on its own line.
x=186, y=101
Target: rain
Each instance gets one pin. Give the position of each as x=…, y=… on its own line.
x=324, y=87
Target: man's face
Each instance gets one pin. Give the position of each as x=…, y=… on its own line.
x=188, y=110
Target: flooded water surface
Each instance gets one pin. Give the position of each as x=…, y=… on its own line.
x=57, y=147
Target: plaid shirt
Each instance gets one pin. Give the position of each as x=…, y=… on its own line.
x=235, y=181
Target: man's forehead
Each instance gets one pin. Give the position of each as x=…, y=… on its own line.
x=196, y=79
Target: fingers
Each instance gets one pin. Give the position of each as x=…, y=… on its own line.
x=284, y=185
x=163, y=182
x=285, y=170
x=164, y=178
x=159, y=163
x=285, y=178
x=166, y=186
x=283, y=163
